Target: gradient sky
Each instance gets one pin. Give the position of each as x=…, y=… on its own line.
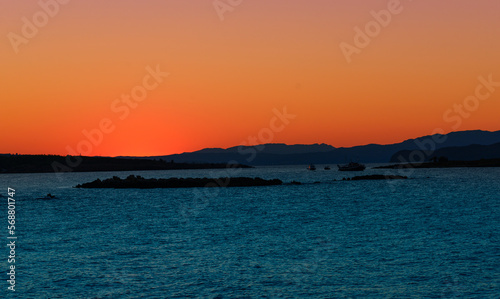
x=227, y=76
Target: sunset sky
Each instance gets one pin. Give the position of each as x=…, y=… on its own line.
x=230, y=66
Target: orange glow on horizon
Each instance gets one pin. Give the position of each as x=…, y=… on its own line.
x=226, y=77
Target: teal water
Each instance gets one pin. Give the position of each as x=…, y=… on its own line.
x=435, y=235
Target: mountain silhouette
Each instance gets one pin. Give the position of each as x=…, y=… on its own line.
x=282, y=154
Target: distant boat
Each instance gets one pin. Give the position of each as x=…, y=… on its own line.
x=352, y=167
x=327, y=168
x=48, y=196
x=311, y=167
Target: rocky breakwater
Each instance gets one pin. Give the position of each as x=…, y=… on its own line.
x=142, y=183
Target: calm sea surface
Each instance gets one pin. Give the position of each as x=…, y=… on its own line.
x=435, y=235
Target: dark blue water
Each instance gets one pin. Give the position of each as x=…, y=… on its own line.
x=435, y=235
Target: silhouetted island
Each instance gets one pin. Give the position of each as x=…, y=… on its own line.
x=142, y=183
x=444, y=163
x=54, y=163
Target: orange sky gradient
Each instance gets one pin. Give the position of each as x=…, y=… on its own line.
x=226, y=76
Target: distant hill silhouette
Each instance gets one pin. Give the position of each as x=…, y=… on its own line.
x=282, y=154
x=454, y=153
x=45, y=163
x=276, y=148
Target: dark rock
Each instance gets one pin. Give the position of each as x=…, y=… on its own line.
x=379, y=177
x=142, y=183
x=443, y=163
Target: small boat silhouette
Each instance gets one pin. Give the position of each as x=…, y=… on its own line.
x=311, y=167
x=48, y=196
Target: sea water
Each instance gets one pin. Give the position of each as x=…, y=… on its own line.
x=433, y=235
